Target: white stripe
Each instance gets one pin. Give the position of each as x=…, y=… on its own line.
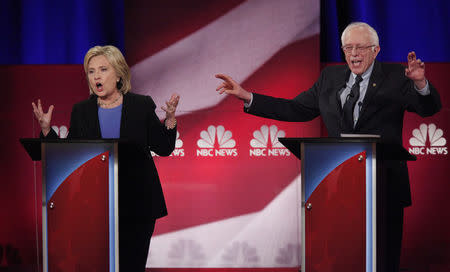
x=237, y=44
x=269, y=232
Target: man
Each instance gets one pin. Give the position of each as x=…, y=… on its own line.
x=362, y=97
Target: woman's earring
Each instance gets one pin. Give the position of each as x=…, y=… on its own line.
x=119, y=84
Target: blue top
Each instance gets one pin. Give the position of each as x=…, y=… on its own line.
x=110, y=121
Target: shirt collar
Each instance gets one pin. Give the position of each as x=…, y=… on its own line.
x=366, y=74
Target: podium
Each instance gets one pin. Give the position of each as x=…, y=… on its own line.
x=342, y=201
x=79, y=203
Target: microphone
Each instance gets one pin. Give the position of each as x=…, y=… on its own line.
x=359, y=106
x=350, y=95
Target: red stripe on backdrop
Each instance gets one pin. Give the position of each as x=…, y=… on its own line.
x=426, y=242
x=426, y=236
x=169, y=21
x=224, y=188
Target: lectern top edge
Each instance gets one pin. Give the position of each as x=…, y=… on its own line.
x=41, y=140
x=385, y=151
x=33, y=145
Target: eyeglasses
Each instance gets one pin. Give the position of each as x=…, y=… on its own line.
x=348, y=49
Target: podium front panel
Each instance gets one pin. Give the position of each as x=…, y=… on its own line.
x=338, y=194
x=80, y=207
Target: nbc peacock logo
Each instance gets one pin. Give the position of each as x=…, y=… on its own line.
x=216, y=141
x=428, y=140
x=62, y=131
x=262, y=147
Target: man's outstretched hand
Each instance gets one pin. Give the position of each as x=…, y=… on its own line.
x=230, y=86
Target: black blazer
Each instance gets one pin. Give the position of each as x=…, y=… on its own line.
x=389, y=94
x=140, y=192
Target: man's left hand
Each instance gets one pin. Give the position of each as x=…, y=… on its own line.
x=416, y=71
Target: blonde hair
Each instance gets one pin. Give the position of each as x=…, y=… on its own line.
x=116, y=60
x=373, y=34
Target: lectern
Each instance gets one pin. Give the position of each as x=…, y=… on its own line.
x=79, y=203
x=342, y=195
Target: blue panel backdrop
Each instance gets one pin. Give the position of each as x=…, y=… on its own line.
x=403, y=26
x=58, y=32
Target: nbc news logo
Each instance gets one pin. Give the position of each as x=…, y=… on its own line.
x=260, y=142
x=435, y=138
x=207, y=143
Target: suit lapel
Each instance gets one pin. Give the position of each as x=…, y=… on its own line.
x=376, y=79
x=92, y=112
x=341, y=80
x=124, y=117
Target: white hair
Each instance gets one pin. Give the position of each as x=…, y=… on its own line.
x=373, y=34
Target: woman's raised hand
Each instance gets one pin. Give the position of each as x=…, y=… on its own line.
x=44, y=118
x=170, y=109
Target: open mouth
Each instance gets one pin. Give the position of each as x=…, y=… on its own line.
x=99, y=86
x=356, y=62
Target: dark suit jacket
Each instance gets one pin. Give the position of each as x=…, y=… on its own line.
x=389, y=94
x=140, y=192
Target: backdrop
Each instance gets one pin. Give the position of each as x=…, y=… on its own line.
x=228, y=178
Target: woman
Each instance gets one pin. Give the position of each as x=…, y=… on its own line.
x=113, y=112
